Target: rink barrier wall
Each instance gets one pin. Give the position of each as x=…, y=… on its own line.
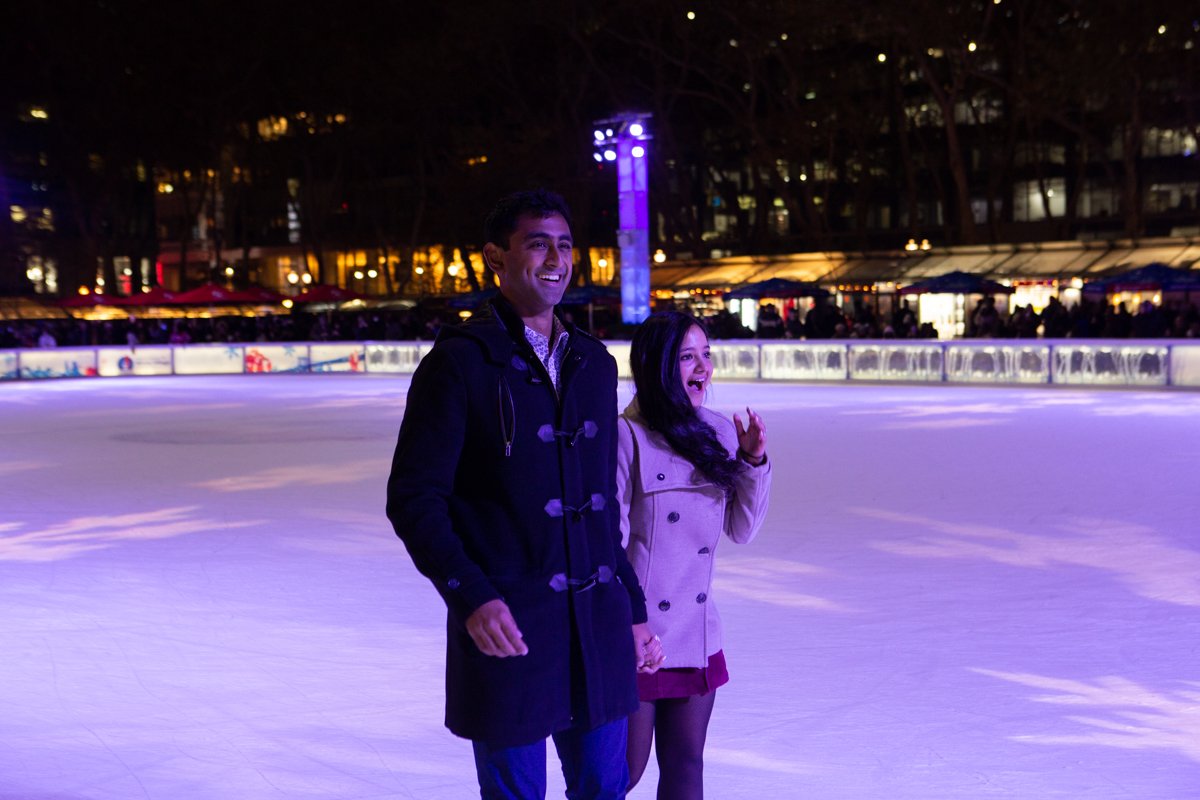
x=1095, y=362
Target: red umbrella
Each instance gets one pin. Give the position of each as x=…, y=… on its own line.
x=88, y=301
x=207, y=295
x=258, y=295
x=211, y=294
x=324, y=293
x=157, y=296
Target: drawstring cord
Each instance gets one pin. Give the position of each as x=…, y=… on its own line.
x=508, y=424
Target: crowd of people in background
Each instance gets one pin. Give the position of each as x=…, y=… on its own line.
x=825, y=320
x=361, y=325
x=1087, y=319
x=1084, y=320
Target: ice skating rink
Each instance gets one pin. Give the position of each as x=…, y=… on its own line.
x=959, y=593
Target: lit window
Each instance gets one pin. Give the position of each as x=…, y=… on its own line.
x=273, y=128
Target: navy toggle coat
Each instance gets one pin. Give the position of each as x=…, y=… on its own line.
x=502, y=488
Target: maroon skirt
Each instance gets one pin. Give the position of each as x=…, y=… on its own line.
x=684, y=682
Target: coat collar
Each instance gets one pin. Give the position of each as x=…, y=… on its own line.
x=500, y=332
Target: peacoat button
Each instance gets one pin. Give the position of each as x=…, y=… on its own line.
x=700, y=598
x=673, y=516
x=661, y=477
x=665, y=605
x=703, y=551
x=452, y=583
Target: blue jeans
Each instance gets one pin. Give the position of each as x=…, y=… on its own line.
x=593, y=764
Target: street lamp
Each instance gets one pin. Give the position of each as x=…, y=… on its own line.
x=624, y=139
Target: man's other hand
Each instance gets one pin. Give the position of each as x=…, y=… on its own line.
x=495, y=632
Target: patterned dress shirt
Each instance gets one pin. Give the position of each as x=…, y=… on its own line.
x=550, y=350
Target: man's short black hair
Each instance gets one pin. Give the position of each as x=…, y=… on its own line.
x=540, y=203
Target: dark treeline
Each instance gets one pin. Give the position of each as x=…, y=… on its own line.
x=394, y=126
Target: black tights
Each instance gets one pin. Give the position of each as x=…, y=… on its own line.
x=680, y=725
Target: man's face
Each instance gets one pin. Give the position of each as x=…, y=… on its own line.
x=536, y=267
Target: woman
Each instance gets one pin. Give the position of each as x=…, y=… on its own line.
x=685, y=475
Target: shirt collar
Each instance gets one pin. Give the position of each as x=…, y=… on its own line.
x=558, y=335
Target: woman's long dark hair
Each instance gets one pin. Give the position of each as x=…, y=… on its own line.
x=663, y=402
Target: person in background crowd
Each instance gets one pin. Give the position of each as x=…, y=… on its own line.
x=770, y=324
x=793, y=327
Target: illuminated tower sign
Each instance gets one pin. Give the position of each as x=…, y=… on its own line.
x=624, y=139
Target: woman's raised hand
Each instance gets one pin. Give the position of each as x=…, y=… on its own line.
x=752, y=438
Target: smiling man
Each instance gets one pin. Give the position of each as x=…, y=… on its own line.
x=531, y=257
x=503, y=490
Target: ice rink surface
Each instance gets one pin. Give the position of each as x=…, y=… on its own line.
x=959, y=593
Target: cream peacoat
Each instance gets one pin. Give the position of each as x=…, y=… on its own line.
x=672, y=519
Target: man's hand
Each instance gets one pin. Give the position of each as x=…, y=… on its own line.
x=648, y=649
x=494, y=630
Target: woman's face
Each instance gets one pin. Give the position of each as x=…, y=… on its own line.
x=695, y=365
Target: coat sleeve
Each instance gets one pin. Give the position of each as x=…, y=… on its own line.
x=624, y=476
x=623, y=446
x=422, y=480
x=747, y=508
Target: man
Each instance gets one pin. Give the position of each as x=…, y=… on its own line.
x=503, y=490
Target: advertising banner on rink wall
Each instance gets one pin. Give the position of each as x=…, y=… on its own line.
x=1185, y=365
x=815, y=362
x=620, y=351
x=1084, y=362
x=149, y=360
x=209, y=359
x=343, y=357
x=58, y=362
x=276, y=358
x=395, y=358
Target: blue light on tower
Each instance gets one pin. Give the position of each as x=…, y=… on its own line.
x=624, y=139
